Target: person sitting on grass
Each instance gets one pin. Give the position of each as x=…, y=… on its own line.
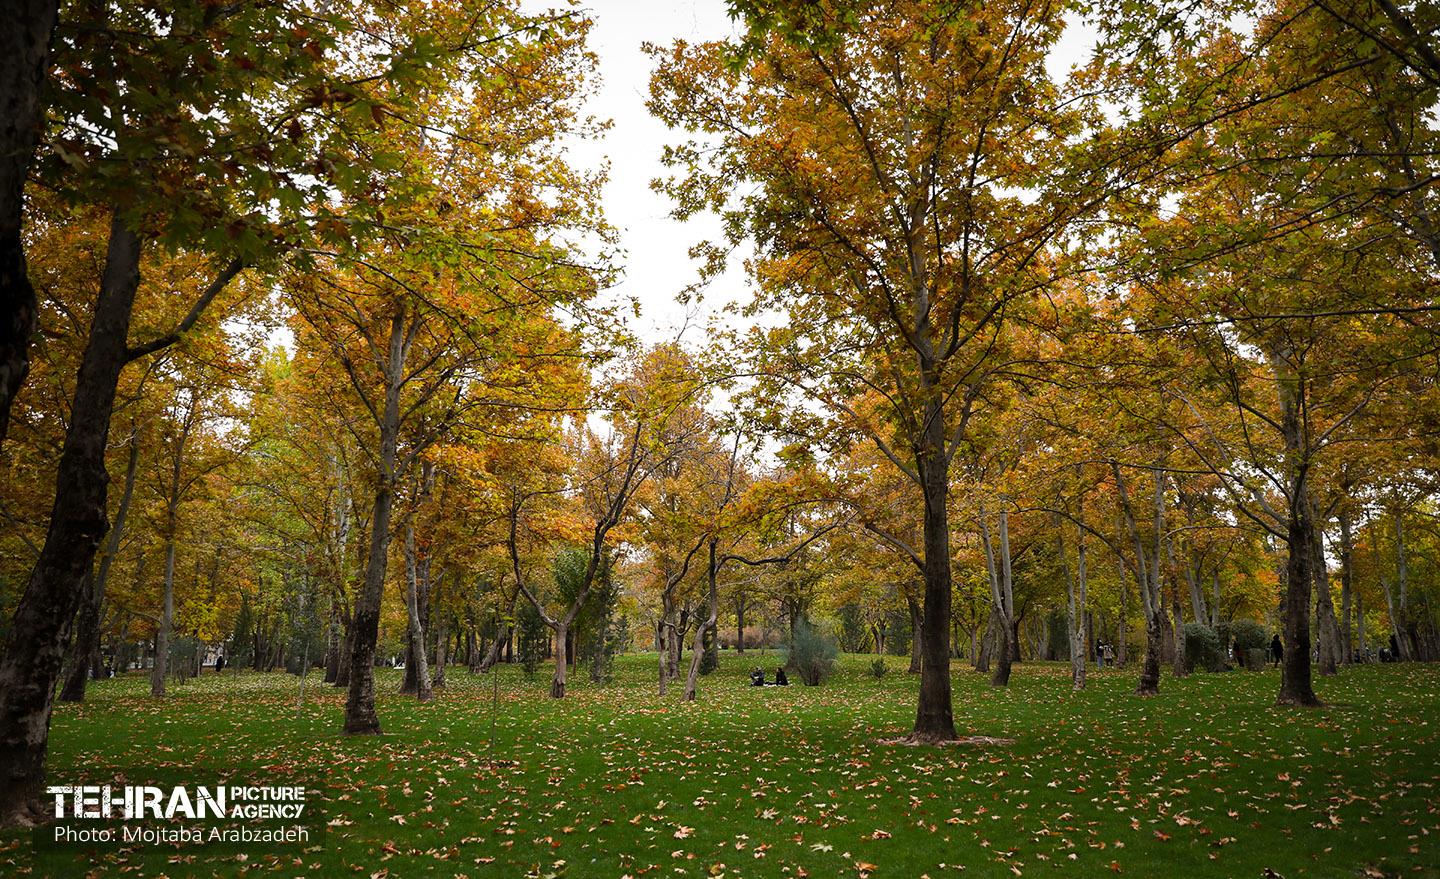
x=757, y=678
x=780, y=679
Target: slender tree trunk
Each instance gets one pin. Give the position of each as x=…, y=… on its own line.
x=1327, y=629
x=1001, y=598
x=87, y=640
x=1146, y=578
x=1178, y=668
x=697, y=653
x=26, y=27
x=1122, y=648
x=562, y=660
x=1074, y=603
x=417, y=631
x=360, y=717
x=35, y=647
x=740, y=626
x=167, y=614
x=1347, y=579
x=1400, y=614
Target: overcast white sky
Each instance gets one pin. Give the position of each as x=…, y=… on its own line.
x=656, y=262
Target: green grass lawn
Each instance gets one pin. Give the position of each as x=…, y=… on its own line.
x=1208, y=779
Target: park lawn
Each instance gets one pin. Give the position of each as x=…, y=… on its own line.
x=1207, y=779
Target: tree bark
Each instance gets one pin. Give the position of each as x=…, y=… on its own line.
x=26, y=28
x=697, y=654
x=1296, y=687
x=1400, y=613
x=86, y=650
x=423, y=688
x=1074, y=603
x=34, y=649
x=360, y=718
x=934, y=714
x=167, y=614
x=1326, y=627
x=1347, y=581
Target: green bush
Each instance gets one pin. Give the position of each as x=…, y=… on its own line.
x=878, y=668
x=1250, y=635
x=1203, y=648
x=811, y=653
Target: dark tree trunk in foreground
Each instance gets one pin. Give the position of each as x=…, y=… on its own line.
x=1296, y=685
x=25, y=30
x=36, y=645
x=934, y=718
x=86, y=650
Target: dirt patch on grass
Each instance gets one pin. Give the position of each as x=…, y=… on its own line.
x=963, y=741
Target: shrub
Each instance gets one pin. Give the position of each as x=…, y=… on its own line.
x=811, y=653
x=1203, y=648
x=878, y=668
x=1249, y=634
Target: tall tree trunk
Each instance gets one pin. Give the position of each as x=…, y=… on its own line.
x=1001, y=598
x=1296, y=687
x=1400, y=613
x=1122, y=648
x=360, y=718
x=697, y=653
x=167, y=614
x=1147, y=576
x=26, y=27
x=562, y=659
x=934, y=714
x=35, y=647
x=1074, y=603
x=1347, y=582
x=1327, y=629
x=412, y=608
x=86, y=649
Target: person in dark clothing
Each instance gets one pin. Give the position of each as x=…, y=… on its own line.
x=757, y=678
x=780, y=679
x=1394, y=648
x=219, y=664
x=1277, y=651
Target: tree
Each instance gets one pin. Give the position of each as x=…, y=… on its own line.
x=24, y=66
x=882, y=148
